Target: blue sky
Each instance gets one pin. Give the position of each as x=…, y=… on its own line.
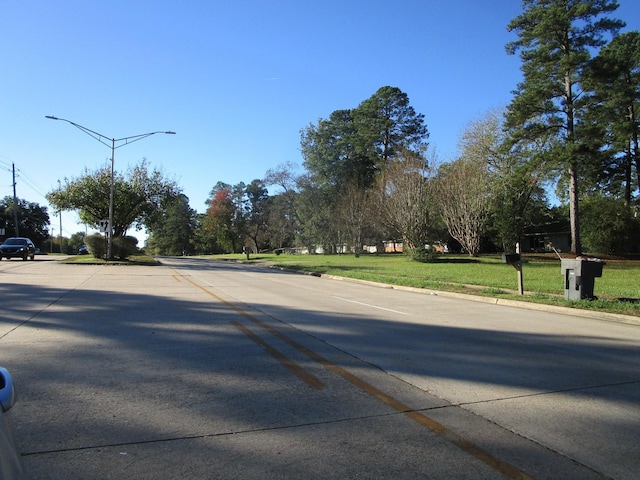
x=237, y=80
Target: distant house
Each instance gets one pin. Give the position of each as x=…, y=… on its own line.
x=546, y=237
x=393, y=246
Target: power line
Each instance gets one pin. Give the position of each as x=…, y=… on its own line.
x=27, y=179
x=31, y=183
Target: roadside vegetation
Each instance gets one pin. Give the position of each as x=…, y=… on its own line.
x=370, y=178
x=618, y=290
x=130, y=260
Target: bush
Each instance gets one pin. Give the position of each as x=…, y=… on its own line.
x=97, y=245
x=124, y=246
x=424, y=255
x=607, y=225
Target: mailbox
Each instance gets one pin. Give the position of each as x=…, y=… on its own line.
x=511, y=258
x=579, y=277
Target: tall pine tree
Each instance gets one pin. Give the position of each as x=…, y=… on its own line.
x=614, y=77
x=555, y=39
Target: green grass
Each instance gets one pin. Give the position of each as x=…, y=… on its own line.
x=618, y=290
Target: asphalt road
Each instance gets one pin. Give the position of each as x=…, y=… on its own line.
x=198, y=369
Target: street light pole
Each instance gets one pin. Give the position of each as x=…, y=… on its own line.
x=111, y=143
x=110, y=239
x=60, y=214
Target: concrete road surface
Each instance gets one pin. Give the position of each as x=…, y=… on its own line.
x=200, y=369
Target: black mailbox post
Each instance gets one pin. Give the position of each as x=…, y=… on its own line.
x=515, y=260
x=579, y=277
x=511, y=258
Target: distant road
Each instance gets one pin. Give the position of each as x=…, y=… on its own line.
x=204, y=369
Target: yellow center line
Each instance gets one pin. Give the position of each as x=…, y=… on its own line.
x=442, y=431
x=311, y=380
x=307, y=377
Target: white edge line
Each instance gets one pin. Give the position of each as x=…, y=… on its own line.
x=369, y=305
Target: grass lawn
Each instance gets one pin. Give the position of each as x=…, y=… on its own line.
x=618, y=290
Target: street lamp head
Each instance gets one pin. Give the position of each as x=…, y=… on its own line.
x=170, y=133
x=51, y=117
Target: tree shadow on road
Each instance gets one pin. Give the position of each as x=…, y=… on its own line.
x=99, y=368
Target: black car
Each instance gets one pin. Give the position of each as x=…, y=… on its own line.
x=10, y=465
x=18, y=247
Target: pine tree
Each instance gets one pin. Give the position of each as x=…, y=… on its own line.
x=555, y=38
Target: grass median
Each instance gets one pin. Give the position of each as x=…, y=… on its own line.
x=618, y=290
x=91, y=260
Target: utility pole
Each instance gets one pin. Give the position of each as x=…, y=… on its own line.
x=15, y=201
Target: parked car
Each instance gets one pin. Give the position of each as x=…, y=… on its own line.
x=83, y=250
x=10, y=465
x=17, y=247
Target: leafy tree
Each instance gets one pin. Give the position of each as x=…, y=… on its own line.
x=217, y=222
x=347, y=152
x=76, y=240
x=336, y=169
x=314, y=205
x=281, y=225
x=609, y=225
x=555, y=37
x=172, y=233
x=136, y=196
x=353, y=145
x=203, y=242
x=283, y=219
x=237, y=215
x=256, y=213
x=33, y=219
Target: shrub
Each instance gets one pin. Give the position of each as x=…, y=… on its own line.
x=97, y=245
x=607, y=225
x=124, y=246
x=424, y=254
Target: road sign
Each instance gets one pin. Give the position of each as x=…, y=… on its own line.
x=104, y=226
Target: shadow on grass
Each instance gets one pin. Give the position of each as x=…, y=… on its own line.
x=455, y=260
x=629, y=300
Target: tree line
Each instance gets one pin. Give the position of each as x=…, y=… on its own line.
x=369, y=174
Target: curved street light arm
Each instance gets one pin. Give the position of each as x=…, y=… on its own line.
x=112, y=145
x=103, y=138
x=88, y=131
x=135, y=138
